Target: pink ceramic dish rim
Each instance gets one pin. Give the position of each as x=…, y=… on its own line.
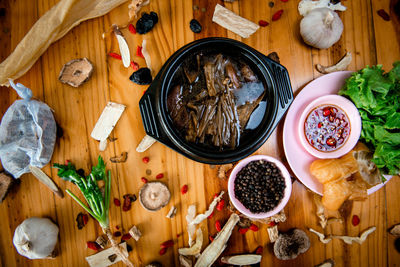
x=239, y=206
x=355, y=125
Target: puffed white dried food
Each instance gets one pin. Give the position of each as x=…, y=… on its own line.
x=341, y=65
x=305, y=6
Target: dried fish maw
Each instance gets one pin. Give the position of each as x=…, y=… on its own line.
x=368, y=171
x=335, y=193
x=328, y=170
x=52, y=26
x=359, y=189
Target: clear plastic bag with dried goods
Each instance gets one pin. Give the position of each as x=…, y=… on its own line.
x=27, y=133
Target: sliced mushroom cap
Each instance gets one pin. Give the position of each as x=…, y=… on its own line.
x=76, y=72
x=154, y=196
x=290, y=245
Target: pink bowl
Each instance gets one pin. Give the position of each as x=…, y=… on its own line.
x=355, y=125
x=239, y=206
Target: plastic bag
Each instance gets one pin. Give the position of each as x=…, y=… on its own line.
x=27, y=133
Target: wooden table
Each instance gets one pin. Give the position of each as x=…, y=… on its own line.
x=370, y=39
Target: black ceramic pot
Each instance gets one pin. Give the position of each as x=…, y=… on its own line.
x=158, y=124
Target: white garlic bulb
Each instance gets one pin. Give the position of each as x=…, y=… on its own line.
x=35, y=238
x=321, y=28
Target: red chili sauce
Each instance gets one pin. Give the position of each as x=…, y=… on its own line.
x=327, y=128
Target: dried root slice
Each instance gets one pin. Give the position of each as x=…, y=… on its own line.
x=191, y=227
x=245, y=259
x=135, y=6
x=395, y=230
x=223, y=169
x=341, y=65
x=76, y=72
x=306, y=6
x=321, y=236
x=123, y=46
x=135, y=233
x=171, y=213
x=146, y=55
x=185, y=261
x=320, y=211
x=201, y=217
x=327, y=263
x=196, y=248
x=273, y=233
x=290, y=245
x=120, y=159
x=6, y=182
x=105, y=257
x=102, y=241
x=213, y=250
x=146, y=143
x=46, y=180
x=350, y=239
x=233, y=22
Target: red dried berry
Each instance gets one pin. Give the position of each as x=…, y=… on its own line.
x=218, y=226
x=132, y=29
x=271, y=224
x=85, y=219
x=211, y=215
x=117, y=234
x=284, y=1
x=117, y=227
x=115, y=55
x=162, y=251
x=134, y=66
x=144, y=180
x=211, y=238
x=160, y=176
x=117, y=202
x=277, y=15
x=263, y=23
x=221, y=205
x=253, y=228
x=184, y=189
x=67, y=161
x=355, y=220
x=383, y=14
x=216, y=195
x=178, y=235
x=128, y=199
x=167, y=244
x=126, y=237
x=139, y=51
x=259, y=250
x=145, y=160
x=243, y=230
x=93, y=245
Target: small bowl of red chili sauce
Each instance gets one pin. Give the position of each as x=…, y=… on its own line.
x=329, y=126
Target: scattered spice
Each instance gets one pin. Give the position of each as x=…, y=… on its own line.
x=220, y=205
x=135, y=6
x=244, y=222
x=93, y=245
x=263, y=23
x=259, y=250
x=132, y=28
x=160, y=176
x=223, y=170
x=128, y=199
x=126, y=237
x=383, y=14
x=184, y=189
x=162, y=251
x=145, y=160
x=102, y=241
x=167, y=244
x=117, y=202
x=171, y=212
x=112, y=257
x=81, y=220
x=135, y=233
x=119, y=159
x=139, y=51
x=271, y=4
x=243, y=230
x=218, y=226
x=134, y=65
x=195, y=7
x=195, y=26
x=253, y=228
x=144, y=180
x=117, y=234
x=355, y=220
x=277, y=15
x=203, y=9
x=148, y=171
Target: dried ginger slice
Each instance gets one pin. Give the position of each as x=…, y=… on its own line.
x=146, y=55
x=196, y=248
x=191, y=227
x=347, y=239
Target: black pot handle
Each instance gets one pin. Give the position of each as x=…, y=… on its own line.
x=283, y=85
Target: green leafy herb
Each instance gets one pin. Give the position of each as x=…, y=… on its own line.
x=377, y=96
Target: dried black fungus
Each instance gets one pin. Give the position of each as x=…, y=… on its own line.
x=195, y=26
x=259, y=186
x=397, y=244
x=146, y=22
x=271, y=4
x=141, y=76
x=112, y=257
x=289, y=245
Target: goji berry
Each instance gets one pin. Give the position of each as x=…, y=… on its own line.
x=178, y=235
x=221, y=205
x=263, y=23
x=277, y=15
x=211, y=215
x=160, y=176
x=93, y=245
x=162, y=251
x=355, y=220
x=218, y=225
x=134, y=66
x=144, y=180
x=117, y=227
x=139, y=51
x=128, y=199
x=216, y=195
x=132, y=29
x=126, y=237
x=383, y=14
x=284, y=1
x=145, y=159
x=259, y=250
x=271, y=223
x=211, y=238
x=85, y=219
x=115, y=55
x=117, y=234
x=184, y=189
x=243, y=230
x=167, y=244
x=117, y=202
x=253, y=228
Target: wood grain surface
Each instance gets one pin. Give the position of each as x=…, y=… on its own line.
x=370, y=39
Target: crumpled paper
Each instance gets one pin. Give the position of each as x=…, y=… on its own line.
x=52, y=26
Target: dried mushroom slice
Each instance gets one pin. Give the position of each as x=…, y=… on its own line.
x=76, y=72
x=291, y=244
x=154, y=196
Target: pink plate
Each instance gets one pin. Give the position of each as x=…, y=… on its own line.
x=298, y=158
